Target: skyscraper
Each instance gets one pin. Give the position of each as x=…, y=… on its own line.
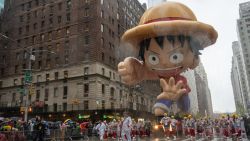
x=243, y=30
x=238, y=79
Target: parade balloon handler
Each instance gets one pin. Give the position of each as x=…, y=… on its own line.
x=167, y=40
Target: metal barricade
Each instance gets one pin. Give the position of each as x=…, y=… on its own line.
x=12, y=136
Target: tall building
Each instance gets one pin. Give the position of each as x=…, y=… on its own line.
x=203, y=91
x=238, y=79
x=243, y=30
x=71, y=47
x=154, y=2
x=194, y=108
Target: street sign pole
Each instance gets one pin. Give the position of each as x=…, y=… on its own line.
x=29, y=81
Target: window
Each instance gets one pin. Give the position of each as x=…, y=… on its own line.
x=66, y=59
x=103, y=71
x=103, y=89
x=42, y=37
x=55, y=92
x=101, y=27
x=86, y=40
x=58, y=33
x=103, y=104
x=86, y=104
x=27, y=28
x=46, y=97
x=68, y=3
x=20, y=30
x=86, y=13
x=54, y=107
x=28, y=16
x=65, y=92
x=13, y=97
x=50, y=21
x=29, y=5
x=86, y=88
x=16, y=68
x=86, y=27
x=37, y=2
x=22, y=7
x=64, y=106
x=112, y=105
x=42, y=24
x=51, y=9
x=102, y=42
x=67, y=31
x=21, y=18
x=60, y=6
x=65, y=74
x=102, y=14
x=57, y=47
x=86, y=70
x=35, y=26
x=68, y=16
x=59, y=19
x=33, y=39
x=47, y=77
x=103, y=57
x=38, y=77
x=50, y=35
x=37, y=95
x=56, y=75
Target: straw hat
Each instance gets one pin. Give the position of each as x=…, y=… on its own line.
x=170, y=18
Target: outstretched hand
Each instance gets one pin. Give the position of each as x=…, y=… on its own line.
x=171, y=91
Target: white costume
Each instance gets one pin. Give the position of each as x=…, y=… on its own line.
x=126, y=129
x=101, y=127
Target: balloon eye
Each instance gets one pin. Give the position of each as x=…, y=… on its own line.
x=153, y=59
x=176, y=58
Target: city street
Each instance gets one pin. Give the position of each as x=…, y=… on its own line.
x=161, y=139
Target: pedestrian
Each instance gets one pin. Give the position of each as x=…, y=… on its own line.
x=126, y=127
x=39, y=130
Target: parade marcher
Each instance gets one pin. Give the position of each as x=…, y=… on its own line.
x=126, y=127
x=147, y=127
x=191, y=126
x=101, y=127
x=173, y=130
x=166, y=124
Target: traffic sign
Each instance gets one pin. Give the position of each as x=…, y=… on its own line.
x=28, y=76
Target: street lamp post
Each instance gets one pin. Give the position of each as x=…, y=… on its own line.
x=29, y=83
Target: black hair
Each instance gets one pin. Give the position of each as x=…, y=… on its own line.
x=194, y=45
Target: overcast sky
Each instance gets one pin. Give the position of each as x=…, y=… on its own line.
x=217, y=59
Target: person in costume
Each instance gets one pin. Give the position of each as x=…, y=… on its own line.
x=167, y=39
x=166, y=121
x=126, y=127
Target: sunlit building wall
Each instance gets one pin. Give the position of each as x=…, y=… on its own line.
x=238, y=79
x=243, y=30
x=200, y=70
x=194, y=109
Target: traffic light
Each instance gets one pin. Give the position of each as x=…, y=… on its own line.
x=31, y=89
x=30, y=109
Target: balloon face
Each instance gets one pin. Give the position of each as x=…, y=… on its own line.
x=168, y=58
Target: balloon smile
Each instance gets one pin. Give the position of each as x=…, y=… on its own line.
x=165, y=72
